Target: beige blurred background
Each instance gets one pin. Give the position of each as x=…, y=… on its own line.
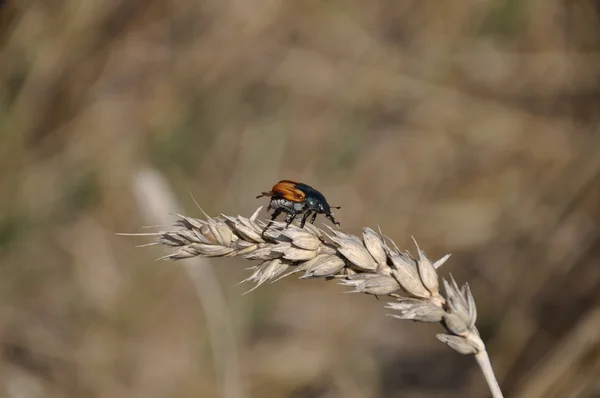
x=472, y=125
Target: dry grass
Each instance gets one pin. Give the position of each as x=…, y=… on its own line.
x=471, y=126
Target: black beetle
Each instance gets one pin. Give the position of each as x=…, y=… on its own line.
x=296, y=198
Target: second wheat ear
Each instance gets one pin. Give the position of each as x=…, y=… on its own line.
x=370, y=264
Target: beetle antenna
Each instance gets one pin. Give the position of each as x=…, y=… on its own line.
x=336, y=207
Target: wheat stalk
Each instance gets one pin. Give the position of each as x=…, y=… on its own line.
x=371, y=264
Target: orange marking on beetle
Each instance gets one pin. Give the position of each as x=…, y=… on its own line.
x=290, y=182
x=287, y=189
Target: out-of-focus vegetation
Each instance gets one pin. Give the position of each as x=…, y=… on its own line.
x=471, y=125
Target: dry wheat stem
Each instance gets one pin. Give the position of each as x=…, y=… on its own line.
x=370, y=264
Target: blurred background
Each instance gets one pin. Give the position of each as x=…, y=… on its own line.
x=471, y=125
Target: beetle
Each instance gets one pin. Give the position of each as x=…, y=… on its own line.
x=296, y=198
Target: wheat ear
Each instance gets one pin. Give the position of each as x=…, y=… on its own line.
x=371, y=264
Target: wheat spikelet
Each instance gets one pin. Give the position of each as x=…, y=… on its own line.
x=370, y=264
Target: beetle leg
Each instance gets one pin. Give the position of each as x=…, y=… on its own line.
x=304, y=218
x=313, y=218
x=291, y=219
x=276, y=213
x=332, y=219
x=273, y=217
